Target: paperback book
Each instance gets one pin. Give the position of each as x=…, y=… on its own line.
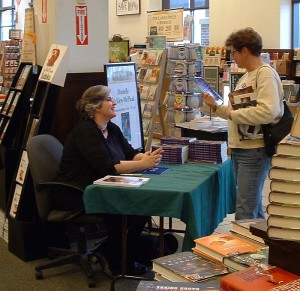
x=122, y=181
x=187, y=267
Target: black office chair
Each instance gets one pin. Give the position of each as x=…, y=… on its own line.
x=44, y=155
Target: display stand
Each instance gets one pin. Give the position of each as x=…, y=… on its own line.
x=181, y=100
x=150, y=80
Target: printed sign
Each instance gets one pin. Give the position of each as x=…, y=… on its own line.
x=81, y=25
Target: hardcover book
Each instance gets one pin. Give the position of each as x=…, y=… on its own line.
x=283, y=233
x=122, y=181
x=285, y=198
x=290, y=210
x=283, y=221
x=258, y=279
x=284, y=174
x=285, y=186
x=176, y=286
x=243, y=261
x=187, y=267
x=221, y=245
x=242, y=227
x=289, y=146
x=287, y=162
x=295, y=130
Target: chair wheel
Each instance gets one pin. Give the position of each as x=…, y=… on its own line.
x=91, y=282
x=39, y=275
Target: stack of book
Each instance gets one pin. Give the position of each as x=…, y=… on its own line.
x=284, y=197
x=173, y=153
x=208, y=151
x=233, y=251
x=186, y=267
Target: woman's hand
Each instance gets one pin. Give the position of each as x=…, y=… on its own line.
x=152, y=159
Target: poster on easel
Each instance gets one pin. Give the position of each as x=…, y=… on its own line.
x=28, y=54
x=56, y=65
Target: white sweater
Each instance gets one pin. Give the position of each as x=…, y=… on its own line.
x=268, y=93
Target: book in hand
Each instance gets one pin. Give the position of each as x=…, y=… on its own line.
x=122, y=181
x=284, y=174
x=258, y=279
x=204, y=87
x=187, y=267
x=289, y=146
x=242, y=227
x=242, y=261
x=220, y=245
x=176, y=286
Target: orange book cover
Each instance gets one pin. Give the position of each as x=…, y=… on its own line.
x=222, y=245
x=254, y=279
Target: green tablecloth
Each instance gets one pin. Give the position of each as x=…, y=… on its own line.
x=200, y=195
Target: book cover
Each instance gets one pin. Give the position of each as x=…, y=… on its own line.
x=289, y=146
x=284, y=174
x=287, y=162
x=284, y=198
x=157, y=41
x=220, y=245
x=9, y=98
x=176, y=286
x=155, y=171
x=187, y=267
x=14, y=104
x=151, y=92
x=122, y=181
x=242, y=261
x=242, y=227
x=285, y=186
x=205, y=88
x=15, y=201
x=290, y=210
x=283, y=233
x=148, y=110
x=22, y=170
x=283, y=221
x=254, y=279
x=23, y=77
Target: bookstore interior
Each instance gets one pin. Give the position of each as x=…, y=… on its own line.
x=158, y=87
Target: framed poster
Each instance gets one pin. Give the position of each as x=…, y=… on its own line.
x=128, y=7
x=121, y=79
x=211, y=75
x=118, y=51
x=234, y=79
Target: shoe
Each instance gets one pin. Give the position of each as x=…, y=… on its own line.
x=138, y=269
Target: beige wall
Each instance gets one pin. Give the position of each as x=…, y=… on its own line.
x=271, y=18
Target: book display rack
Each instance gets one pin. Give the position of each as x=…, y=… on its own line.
x=150, y=79
x=182, y=100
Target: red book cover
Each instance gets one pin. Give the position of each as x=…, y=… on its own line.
x=257, y=279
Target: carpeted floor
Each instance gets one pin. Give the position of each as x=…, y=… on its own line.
x=20, y=276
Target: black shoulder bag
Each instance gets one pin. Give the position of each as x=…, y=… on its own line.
x=274, y=133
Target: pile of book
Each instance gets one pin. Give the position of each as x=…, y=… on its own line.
x=284, y=197
x=177, y=140
x=173, y=153
x=208, y=151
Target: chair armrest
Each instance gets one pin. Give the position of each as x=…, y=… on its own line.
x=52, y=184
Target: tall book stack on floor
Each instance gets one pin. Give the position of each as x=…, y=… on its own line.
x=284, y=197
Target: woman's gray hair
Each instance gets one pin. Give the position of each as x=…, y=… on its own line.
x=91, y=99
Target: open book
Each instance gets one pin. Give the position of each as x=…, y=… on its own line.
x=204, y=87
x=122, y=181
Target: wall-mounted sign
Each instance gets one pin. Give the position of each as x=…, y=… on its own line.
x=166, y=22
x=81, y=25
x=127, y=7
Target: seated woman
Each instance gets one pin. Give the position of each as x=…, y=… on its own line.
x=95, y=148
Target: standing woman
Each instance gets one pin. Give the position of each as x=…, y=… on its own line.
x=250, y=161
x=95, y=148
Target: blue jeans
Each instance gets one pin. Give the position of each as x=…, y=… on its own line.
x=251, y=167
